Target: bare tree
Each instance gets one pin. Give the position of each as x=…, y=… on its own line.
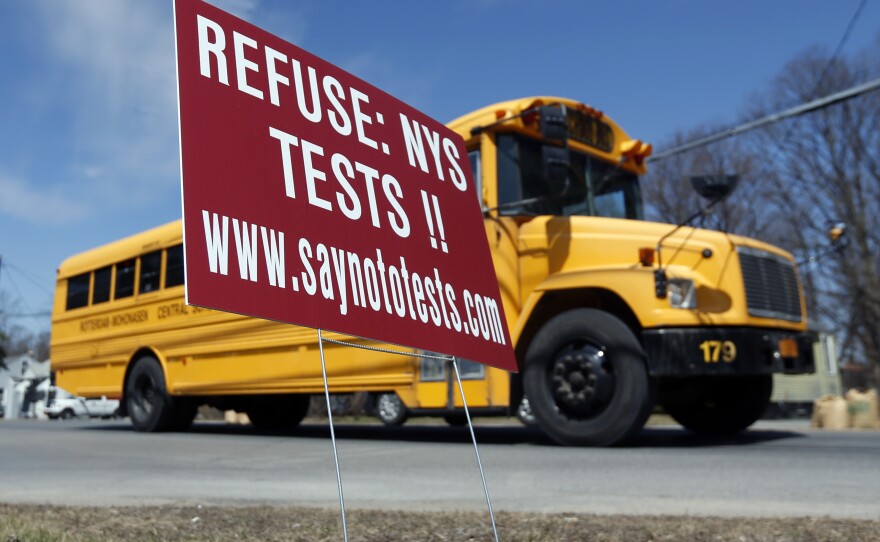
x=827, y=170
x=40, y=345
x=670, y=197
x=797, y=178
x=20, y=340
x=2, y=351
x=16, y=339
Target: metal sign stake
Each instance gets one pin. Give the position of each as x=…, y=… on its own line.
x=476, y=449
x=332, y=435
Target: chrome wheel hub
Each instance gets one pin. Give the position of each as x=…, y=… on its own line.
x=581, y=380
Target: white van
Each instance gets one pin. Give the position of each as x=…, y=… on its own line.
x=66, y=406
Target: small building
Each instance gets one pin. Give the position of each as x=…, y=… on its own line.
x=793, y=395
x=24, y=385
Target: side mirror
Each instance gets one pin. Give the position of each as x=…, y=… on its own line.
x=836, y=232
x=557, y=172
x=714, y=187
x=553, y=123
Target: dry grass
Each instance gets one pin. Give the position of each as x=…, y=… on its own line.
x=19, y=523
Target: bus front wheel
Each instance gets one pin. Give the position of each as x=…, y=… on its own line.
x=150, y=408
x=586, y=379
x=717, y=406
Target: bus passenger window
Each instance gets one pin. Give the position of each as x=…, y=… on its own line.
x=78, y=291
x=101, y=290
x=471, y=370
x=432, y=370
x=124, y=279
x=151, y=264
x=174, y=266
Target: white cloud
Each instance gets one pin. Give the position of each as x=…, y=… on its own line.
x=243, y=9
x=110, y=69
x=284, y=19
x=117, y=61
x=47, y=206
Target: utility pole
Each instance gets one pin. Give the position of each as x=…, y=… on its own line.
x=808, y=107
x=2, y=327
x=1, y=297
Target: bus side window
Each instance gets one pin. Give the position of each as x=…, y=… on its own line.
x=101, y=288
x=124, y=279
x=174, y=266
x=477, y=170
x=78, y=291
x=151, y=265
x=432, y=370
x=471, y=370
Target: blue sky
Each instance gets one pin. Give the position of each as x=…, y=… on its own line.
x=88, y=111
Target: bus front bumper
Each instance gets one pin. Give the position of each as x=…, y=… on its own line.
x=727, y=351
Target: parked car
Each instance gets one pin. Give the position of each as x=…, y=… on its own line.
x=66, y=406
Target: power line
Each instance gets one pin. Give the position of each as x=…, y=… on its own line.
x=792, y=112
x=31, y=313
x=808, y=107
x=29, y=278
x=15, y=287
x=842, y=42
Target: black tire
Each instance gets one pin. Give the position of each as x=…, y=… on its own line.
x=718, y=406
x=587, y=380
x=524, y=413
x=150, y=408
x=390, y=409
x=456, y=420
x=67, y=414
x=278, y=412
x=185, y=410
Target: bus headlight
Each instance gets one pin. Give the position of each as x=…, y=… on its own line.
x=682, y=294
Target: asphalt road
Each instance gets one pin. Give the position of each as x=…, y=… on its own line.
x=776, y=469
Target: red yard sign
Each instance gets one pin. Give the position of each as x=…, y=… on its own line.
x=313, y=198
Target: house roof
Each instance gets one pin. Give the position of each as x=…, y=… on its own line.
x=24, y=367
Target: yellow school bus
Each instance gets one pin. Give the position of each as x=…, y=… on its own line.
x=609, y=314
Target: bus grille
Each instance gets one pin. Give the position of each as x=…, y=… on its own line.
x=771, y=285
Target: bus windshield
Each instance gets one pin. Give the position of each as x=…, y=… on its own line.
x=595, y=187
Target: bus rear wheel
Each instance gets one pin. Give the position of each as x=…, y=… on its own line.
x=586, y=379
x=150, y=408
x=278, y=412
x=717, y=406
x=390, y=409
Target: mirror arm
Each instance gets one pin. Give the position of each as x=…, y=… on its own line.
x=680, y=225
x=511, y=204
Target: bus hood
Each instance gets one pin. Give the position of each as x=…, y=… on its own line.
x=574, y=242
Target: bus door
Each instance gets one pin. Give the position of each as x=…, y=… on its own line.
x=437, y=387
